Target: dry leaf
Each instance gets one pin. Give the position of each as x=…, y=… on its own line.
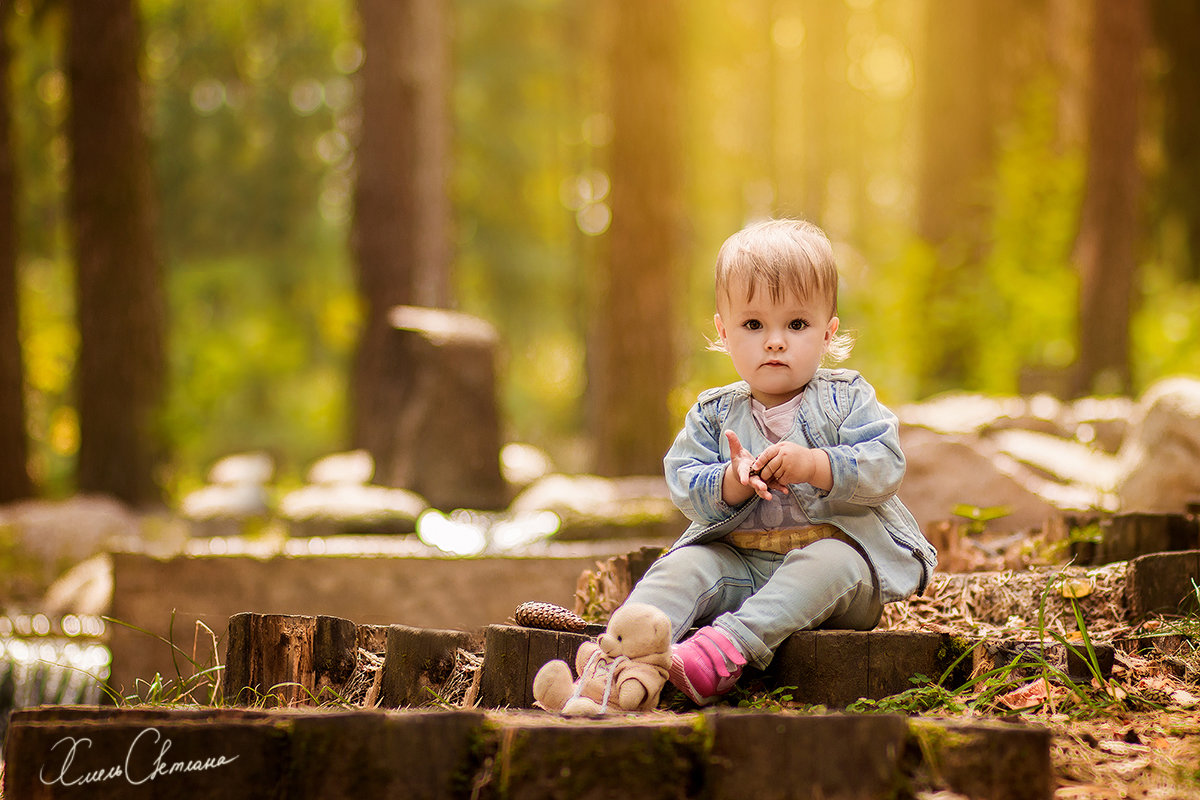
x=1027, y=696
x=1077, y=587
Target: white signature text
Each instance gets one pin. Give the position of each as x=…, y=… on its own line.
x=145, y=761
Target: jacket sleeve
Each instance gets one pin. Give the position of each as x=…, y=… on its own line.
x=867, y=462
x=694, y=467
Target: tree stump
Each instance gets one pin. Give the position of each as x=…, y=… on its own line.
x=1163, y=583
x=599, y=593
x=288, y=660
x=1124, y=537
x=420, y=663
x=512, y=657
x=445, y=444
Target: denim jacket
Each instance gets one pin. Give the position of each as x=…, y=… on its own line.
x=838, y=414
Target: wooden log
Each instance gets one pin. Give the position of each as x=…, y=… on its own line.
x=1080, y=666
x=420, y=662
x=1163, y=583
x=114, y=755
x=600, y=592
x=512, y=657
x=1124, y=537
x=779, y=756
x=835, y=668
x=442, y=388
x=662, y=758
x=350, y=756
x=288, y=660
x=999, y=761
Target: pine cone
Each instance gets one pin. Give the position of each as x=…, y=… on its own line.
x=549, y=617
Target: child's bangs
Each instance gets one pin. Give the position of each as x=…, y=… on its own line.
x=778, y=277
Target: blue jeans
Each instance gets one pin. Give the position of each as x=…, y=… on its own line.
x=758, y=599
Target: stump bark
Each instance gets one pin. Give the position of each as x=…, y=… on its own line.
x=512, y=657
x=420, y=662
x=600, y=592
x=1124, y=537
x=445, y=444
x=288, y=660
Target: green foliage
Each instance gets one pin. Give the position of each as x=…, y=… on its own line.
x=253, y=116
x=1166, y=328
x=522, y=161
x=925, y=696
x=1025, y=315
x=978, y=518
x=1092, y=532
x=251, y=372
x=199, y=683
x=774, y=700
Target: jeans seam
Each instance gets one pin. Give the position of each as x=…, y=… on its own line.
x=721, y=583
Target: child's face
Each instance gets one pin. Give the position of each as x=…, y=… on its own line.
x=776, y=347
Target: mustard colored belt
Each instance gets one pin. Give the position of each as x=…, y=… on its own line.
x=783, y=540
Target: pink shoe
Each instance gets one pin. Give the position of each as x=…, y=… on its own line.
x=706, y=666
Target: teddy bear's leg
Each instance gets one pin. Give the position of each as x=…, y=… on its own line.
x=632, y=695
x=553, y=685
x=582, y=707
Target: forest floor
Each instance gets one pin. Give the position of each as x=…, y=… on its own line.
x=1131, y=730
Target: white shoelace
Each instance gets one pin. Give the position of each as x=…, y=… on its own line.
x=611, y=669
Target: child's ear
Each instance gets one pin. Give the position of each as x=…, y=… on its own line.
x=720, y=326
x=831, y=330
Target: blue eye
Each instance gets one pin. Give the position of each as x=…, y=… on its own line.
x=797, y=324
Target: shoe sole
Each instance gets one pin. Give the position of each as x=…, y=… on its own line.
x=679, y=679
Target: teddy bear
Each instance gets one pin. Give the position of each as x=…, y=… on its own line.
x=626, y=668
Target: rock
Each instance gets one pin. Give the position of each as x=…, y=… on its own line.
x=946, y=471
x=1159, y=457
x=57, y=534
x=355, y=467
x=522, y=464
x=233, y=503
x=961, y=413
x=1036, y=455
x=237, y=492
x=241, y=468
x=591, y=507
x=325, y=509
x=1102, y=422
x=1062, y=460
x=85, y=588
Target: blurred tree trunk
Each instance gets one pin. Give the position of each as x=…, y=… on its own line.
x=1109, y=226
x=120, y=301
x=633, y=350
x=401, y=235
x=14, y=446
x=824, y=94
x=958, y=110
x=1177, y=30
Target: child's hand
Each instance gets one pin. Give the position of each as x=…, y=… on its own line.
x=741, y=464
x=785, y=463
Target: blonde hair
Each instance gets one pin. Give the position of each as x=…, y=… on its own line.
x=783, y=256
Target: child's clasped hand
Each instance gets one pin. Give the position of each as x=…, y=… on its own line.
x=754, y=471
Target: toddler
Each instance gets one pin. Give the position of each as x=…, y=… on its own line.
x=788, y=476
